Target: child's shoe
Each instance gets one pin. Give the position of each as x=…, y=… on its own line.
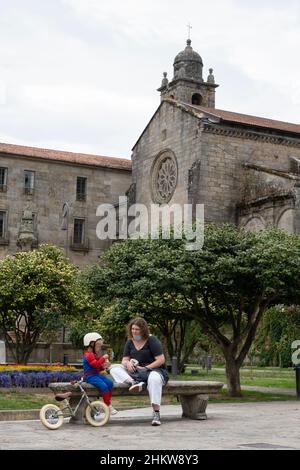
x=112, y=410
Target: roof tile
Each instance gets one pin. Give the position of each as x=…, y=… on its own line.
x=250, y=120
x=68, y=157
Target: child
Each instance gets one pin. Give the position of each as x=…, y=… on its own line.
x=93, y=364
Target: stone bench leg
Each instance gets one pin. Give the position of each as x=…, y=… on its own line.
x=194, y=406
x=79, y=417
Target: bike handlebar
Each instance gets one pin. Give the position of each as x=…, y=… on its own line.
x=76, y=382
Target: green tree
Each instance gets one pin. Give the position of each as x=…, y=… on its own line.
x=134, y=282
x=235, y=278
x=39, y=291
x=279, y=328
x=226, y=287
x=103, y=321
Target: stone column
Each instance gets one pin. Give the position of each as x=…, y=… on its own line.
x=2, y=353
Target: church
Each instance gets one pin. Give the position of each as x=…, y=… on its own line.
x=244, y=169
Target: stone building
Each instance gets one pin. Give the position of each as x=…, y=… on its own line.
x=244, y=169
x=49, y=196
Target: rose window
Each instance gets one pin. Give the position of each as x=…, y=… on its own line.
x=164, y=178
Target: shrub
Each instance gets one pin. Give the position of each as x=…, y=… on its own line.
x=36, y=379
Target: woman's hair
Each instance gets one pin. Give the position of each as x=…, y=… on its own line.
x=142, y=324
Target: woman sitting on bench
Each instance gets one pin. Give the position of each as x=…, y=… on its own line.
x=143, y=365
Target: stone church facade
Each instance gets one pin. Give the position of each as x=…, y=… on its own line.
x=244, y=169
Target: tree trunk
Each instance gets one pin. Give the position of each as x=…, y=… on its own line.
x=233, y=377
x=20, y=351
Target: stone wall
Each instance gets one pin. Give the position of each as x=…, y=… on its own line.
x=210, y=159
x=223, y=176
x=170, y=129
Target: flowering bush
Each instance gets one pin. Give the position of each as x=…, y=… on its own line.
x=36, y=367
x=36, y=379
x=36, y=376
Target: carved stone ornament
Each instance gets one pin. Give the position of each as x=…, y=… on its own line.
x=26, y=236
x=164, y=177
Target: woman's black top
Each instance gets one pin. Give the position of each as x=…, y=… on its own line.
x=146, y=355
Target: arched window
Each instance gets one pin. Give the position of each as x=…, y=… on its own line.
x=196, y=99
x=286, y=220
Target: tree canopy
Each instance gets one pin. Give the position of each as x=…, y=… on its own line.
x=38, y=290
x=225, y=287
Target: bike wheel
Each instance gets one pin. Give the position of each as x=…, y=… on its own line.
x=97, y=413
x=51, y=416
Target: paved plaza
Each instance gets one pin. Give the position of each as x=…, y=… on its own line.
x=273, y=425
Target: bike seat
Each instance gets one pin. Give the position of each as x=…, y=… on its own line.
x=62, y=396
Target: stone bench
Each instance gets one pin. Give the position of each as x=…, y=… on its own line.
x=193, y=395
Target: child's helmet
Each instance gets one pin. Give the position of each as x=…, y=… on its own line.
x=89, y=337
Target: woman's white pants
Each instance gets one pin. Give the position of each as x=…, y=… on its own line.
x=155, y=382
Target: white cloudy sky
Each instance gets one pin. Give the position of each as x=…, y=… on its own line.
x=81, y=75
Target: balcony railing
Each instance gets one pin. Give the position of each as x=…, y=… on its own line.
x=4, y=239
x=28, y=191
x=80, y=196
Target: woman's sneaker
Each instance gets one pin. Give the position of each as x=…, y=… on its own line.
x=156, y=418
x=112, y=410
x=137, y=387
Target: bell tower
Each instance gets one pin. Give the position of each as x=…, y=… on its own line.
x=187, y=84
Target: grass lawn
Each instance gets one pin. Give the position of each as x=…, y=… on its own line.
x=18, y=400
x=256, y=376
